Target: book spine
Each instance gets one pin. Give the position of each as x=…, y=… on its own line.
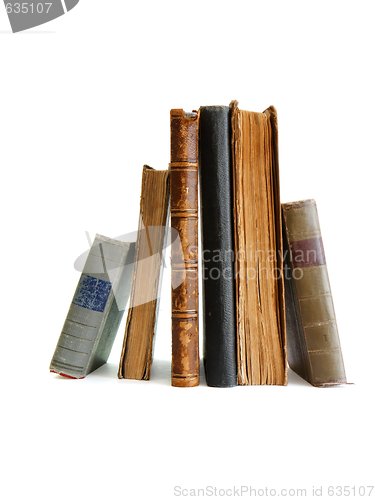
x=314, y=344
x=95, y=312
x=184, y=252
x=75, y=349
x=219, y=313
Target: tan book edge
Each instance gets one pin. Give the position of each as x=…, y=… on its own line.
x=261, y=330
x=136, y=355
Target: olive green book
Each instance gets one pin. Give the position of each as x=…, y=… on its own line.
x=314, y=350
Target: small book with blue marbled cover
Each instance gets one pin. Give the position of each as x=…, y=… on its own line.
x=96, y=309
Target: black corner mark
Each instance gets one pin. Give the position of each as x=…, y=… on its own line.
x=24, y=15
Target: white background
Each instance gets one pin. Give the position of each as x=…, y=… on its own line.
x=85, y=103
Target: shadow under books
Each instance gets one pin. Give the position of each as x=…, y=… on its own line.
x=161, y=374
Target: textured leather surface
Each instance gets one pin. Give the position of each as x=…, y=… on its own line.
x=219, y=313
x=314, y=350
x=184, y=220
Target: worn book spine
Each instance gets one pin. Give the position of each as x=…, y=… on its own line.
x=216, y=203
x=136, y=355
x=184, y=252
x=314, y=350
x=96, y=309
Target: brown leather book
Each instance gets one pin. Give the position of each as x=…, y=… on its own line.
x=314, y=350
x=136, y=355
x=260, y=307
x=184, y=250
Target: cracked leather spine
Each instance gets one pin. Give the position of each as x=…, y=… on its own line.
x=184, y=251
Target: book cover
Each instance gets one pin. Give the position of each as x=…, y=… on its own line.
x=96, y=310
x=314, y=350
x=217, y=262
x=184, y=227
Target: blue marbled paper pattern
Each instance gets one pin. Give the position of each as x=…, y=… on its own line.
x=92, y=293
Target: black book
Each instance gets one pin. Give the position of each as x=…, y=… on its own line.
x=219, y=313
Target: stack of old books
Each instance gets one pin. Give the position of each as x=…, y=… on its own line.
x=266, y=295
